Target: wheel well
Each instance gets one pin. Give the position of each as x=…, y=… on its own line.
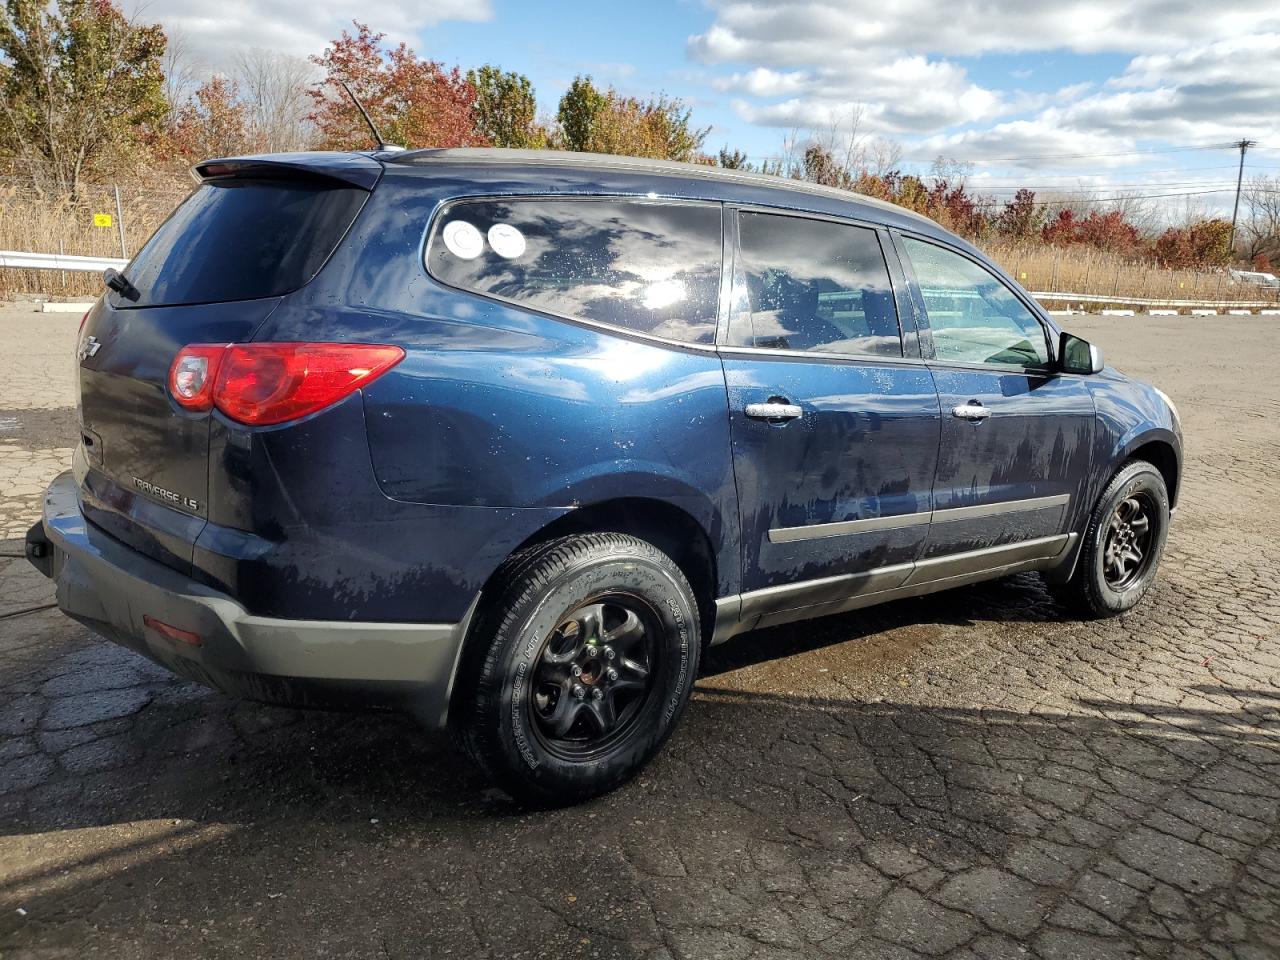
x=1160, y=455
x=667, y=527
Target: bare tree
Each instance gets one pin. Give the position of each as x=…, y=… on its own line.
x=181, y=76
x=1138, y=210
x=955, y=172
x=881, y=156
x=273, y=87
x=1258, y=233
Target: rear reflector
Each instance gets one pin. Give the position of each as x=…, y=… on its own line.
x=267, y=383
x=172, y=632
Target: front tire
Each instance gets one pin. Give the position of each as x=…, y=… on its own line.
x=579, y=667
x=1123, y=545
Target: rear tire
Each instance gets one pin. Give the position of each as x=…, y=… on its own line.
x=1122, y=547
x=579, y=667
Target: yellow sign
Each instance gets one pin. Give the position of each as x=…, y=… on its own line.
x=1022, y=275
x=102, y=219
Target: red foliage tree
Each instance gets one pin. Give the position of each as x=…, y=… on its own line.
x=414, y=102
x=1109, y=231
x=213, y=123
x=949, y=204
x=1106, y=231
x=1021, y=217
x=1204, y=244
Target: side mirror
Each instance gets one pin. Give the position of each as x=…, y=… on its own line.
x=1078, y=356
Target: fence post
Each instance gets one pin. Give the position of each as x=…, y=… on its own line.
x=124, y=253
x=62, y=273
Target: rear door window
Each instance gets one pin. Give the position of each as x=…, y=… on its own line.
x=643, y=266
x=817, y=286
x=241, y=239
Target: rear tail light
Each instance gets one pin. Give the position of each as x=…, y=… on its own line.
x=266, y=383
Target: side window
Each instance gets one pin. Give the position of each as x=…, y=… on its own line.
x=817, y=285
x=648, y=267
x=973, y=316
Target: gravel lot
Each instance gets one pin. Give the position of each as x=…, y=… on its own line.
x=965, y=775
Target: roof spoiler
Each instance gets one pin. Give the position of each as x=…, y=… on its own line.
x=350, y=168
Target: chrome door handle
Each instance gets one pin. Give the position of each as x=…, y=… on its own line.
x=773, y=411
x=973, y=412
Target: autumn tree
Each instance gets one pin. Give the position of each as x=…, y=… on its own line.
x=1206, y=243
x=1108, y=231
x=214, y=123
x=79, y=85
x=413, y=102
x=607, y=122
x=732, y=159
x=581, y=108
x=950, y=204
x=1021, y=218
x=506, y=108
x=820, y=166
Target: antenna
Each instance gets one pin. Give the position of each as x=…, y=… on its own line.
x=377, y=137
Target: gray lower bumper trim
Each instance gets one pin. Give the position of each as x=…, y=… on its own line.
x=111, y=588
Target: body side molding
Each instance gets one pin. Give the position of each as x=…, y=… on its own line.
x=847, y=527
x=817, y=598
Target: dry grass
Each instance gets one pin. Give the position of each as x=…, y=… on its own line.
x=60, y=225
x=1084, y=270
x=53, y=225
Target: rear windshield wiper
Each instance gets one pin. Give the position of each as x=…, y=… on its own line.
x=118, y=282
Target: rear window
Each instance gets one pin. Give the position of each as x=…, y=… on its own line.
x=243, y=239
x=648, y=267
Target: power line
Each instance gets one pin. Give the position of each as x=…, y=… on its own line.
x=1065, y=156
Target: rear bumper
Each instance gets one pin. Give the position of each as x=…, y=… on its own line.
x=111, y=588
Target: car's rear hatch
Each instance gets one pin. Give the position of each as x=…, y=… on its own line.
x=255, y=230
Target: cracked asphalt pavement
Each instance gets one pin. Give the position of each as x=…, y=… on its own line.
x=968, y=775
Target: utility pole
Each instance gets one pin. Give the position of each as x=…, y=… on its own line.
x=1243, y=146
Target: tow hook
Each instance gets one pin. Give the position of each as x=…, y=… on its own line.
x=39, y=549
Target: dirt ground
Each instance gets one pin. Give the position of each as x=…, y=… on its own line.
x=965, y=775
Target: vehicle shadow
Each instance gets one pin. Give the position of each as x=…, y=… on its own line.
x=767, y=812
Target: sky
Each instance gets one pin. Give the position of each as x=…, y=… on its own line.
x=1062, y=96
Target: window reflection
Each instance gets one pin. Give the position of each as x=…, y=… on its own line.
x=817, y=285
x=973, y=317
x=649, y=267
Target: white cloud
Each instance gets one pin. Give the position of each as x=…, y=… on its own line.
x=788, y=34
x=215, y=32
x=1198, y=74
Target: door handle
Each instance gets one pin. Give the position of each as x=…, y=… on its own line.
x=972, y=411
x=774, y=411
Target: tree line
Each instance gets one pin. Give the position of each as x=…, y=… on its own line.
x=88, y=94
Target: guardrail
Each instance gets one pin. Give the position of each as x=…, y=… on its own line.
x=58, y=261
x=1158, y=302
x=61, y=261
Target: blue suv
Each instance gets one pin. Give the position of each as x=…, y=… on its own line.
x=506, y=439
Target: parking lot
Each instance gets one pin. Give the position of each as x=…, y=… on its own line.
x=963, y=775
